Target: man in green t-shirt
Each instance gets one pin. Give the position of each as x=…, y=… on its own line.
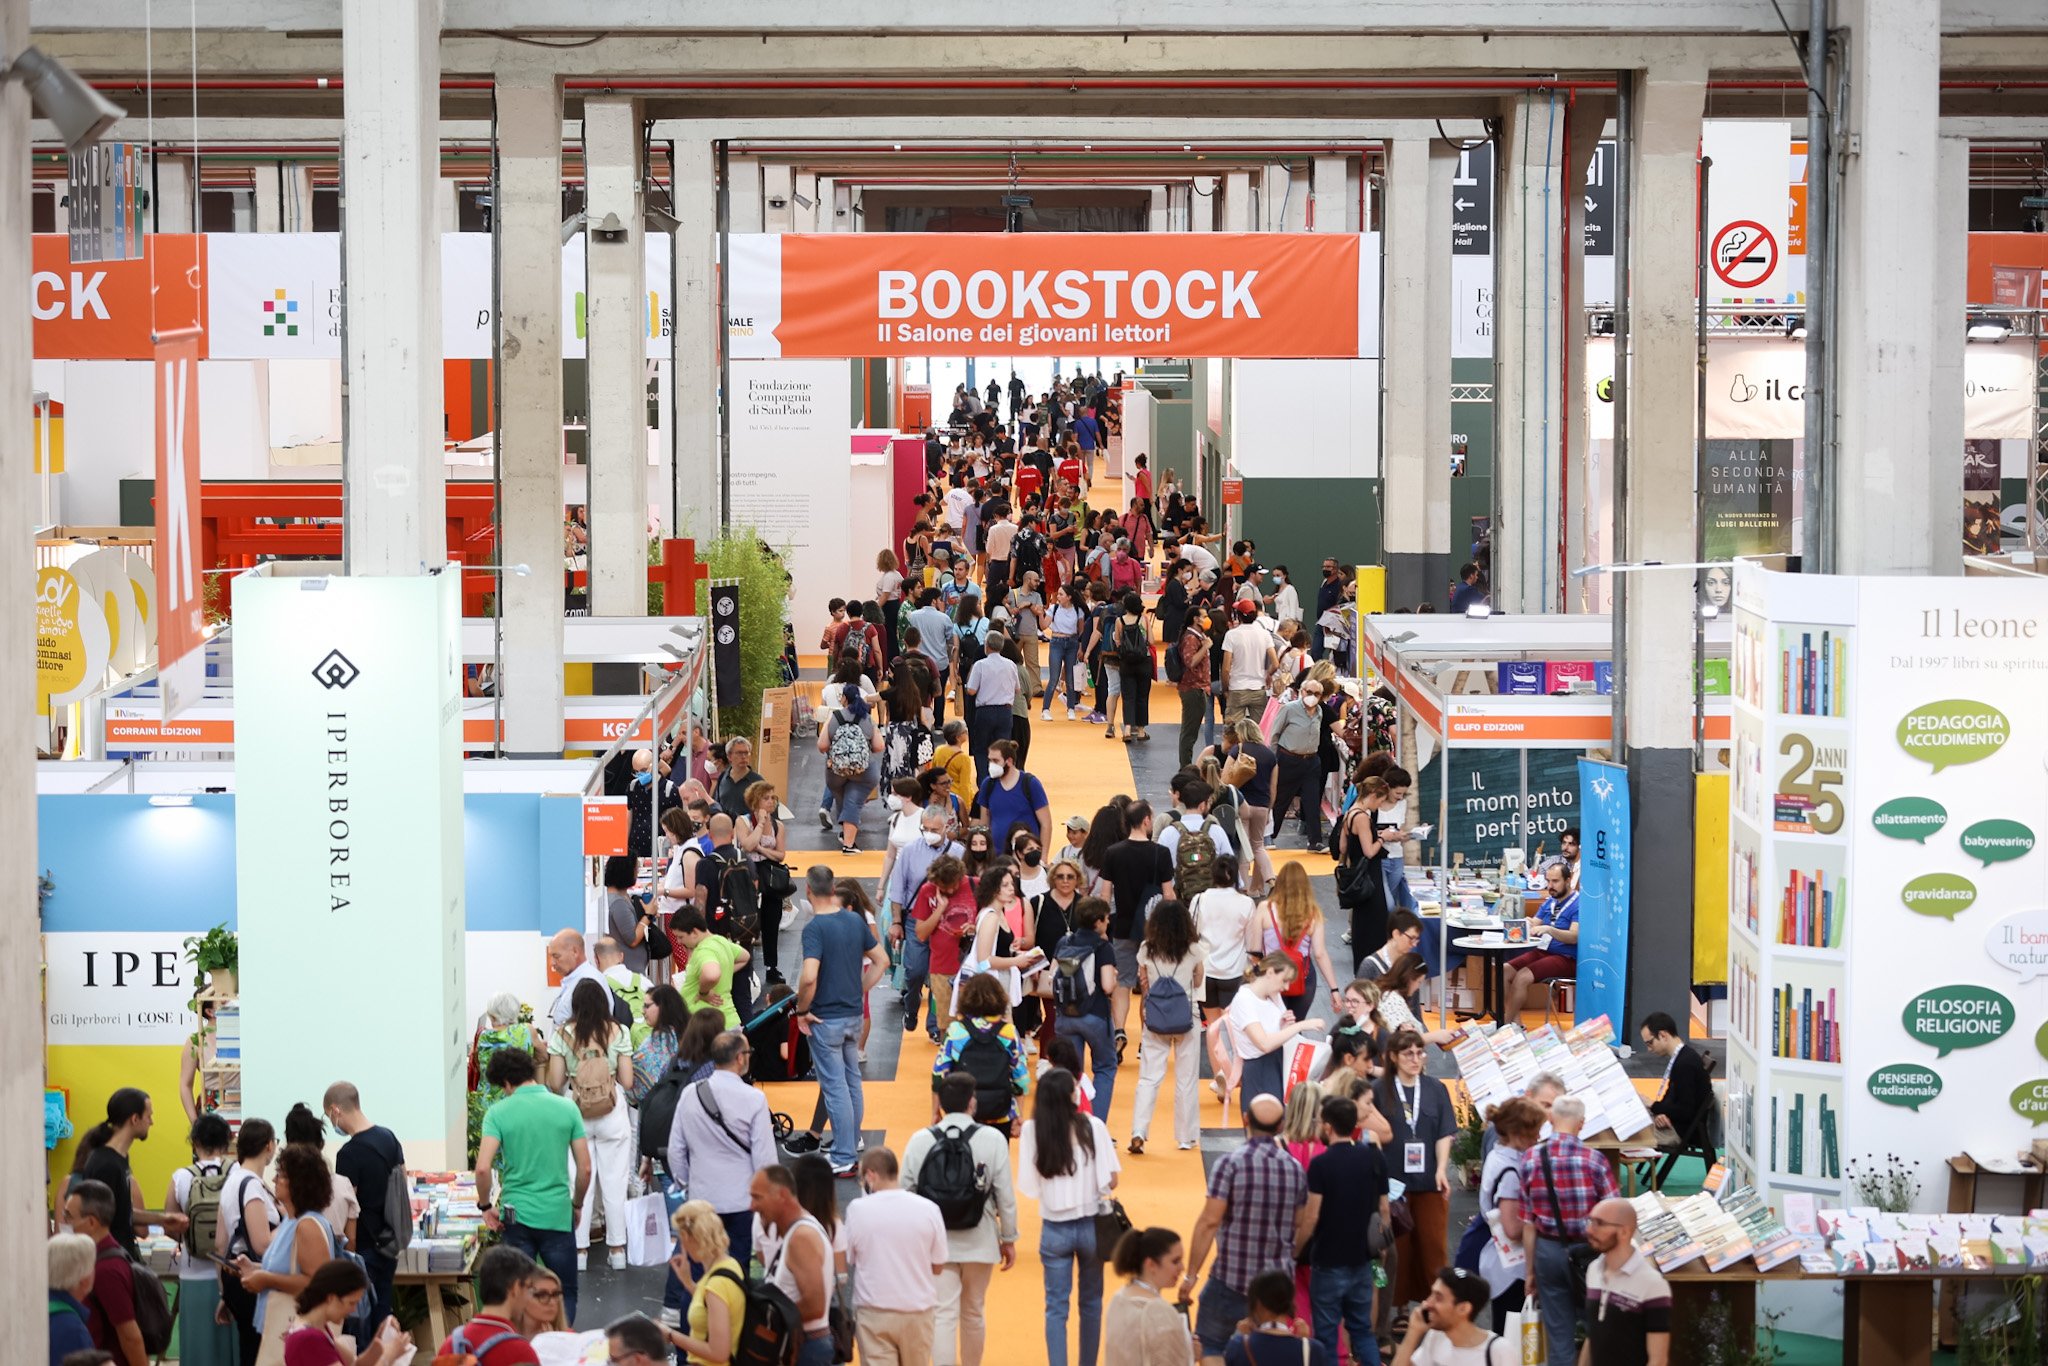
x=710, y=963
x=529, y=1136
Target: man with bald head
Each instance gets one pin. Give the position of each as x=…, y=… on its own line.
x=571, y=962
x=1256, y=1215
x=1628, y=1304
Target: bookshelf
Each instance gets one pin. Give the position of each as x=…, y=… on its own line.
x=1789, y=900
x=220, y=1057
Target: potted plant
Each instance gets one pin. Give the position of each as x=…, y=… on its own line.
x=217, y=955
x=1468, y=1148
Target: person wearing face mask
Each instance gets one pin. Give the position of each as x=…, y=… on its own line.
x=1297, y=736
x=1029, y=855
x=1011, y=799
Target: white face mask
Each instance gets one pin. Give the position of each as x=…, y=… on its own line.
x=894, y=802
x=935, y=838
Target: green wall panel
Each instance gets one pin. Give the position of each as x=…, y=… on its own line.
x=1298, y=521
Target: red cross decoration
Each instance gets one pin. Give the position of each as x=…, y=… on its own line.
x=678, y=574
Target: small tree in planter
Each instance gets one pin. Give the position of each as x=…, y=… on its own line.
x=1468, y=1147
x=217, y=955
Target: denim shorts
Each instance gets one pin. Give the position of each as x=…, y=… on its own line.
x=1217, y=1314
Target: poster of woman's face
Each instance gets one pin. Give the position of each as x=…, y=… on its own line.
x=1717, y=587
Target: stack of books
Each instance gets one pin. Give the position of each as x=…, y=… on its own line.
x=227, y=1032
x=1867, y=1241
x=447, y=1222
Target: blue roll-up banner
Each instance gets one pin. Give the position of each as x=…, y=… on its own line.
x=1603, y=893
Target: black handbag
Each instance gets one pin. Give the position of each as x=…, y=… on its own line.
x=1111, y=1224
x=773, y=877
x=1578, y=1256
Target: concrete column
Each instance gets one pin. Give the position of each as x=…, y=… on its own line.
x=527, y=218
x=1234, y=203
x=1417, y=369
x=1657, y=662
x=1528, y=351
x=1895, y=492
x=696, y=333
x=1581, y=514
x=172, y=206
x=617, y=312
x=1156, y=220
x=1202, y=204
x=391, y=257
x=827, y=217
x=746, y=194
x=1948, y=340
x=447, y=204
x=1327, y=208
x=778, y=197
x=23, y=1191
x=267, y=197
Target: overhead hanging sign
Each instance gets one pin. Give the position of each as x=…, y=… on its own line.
x=829, y=295
x=181, y=619
x=1748, y=211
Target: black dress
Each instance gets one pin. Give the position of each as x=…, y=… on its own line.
x=1369, y=909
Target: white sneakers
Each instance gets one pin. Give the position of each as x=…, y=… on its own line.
x=617, y=1260
x=1046, y=715
x=583, y=1259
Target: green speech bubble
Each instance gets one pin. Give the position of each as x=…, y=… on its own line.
x=1906, y=1084
x=2041, y=1041
x=2030, y=1100
x=1948, y=1018
x=1957, y=731
x=1992, y=842
x=1910, y=818
x=1941, y=895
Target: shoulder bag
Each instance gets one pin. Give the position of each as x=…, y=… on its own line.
x=1578, y=1256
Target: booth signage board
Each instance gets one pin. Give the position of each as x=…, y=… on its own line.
x=1931, y=734
x=791, y=477
x=132, y=989
x=607, y=826
x=1605, y=885
x=1252, y=295
x=181, y=619
x=210, y=726
x=1487, y=800
x=72, y=644
x=349, y=817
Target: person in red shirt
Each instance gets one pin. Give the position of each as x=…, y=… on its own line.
x=110, y=1308
x=942, y=911
x=492, y=1337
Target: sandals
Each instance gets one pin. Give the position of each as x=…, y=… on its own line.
x=1121, y=1040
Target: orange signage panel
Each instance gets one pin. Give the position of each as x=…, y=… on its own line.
x=106, y=310
x=1124, y=294
x=606, y=823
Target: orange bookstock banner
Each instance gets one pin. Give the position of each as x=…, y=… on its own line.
x=1297, y=295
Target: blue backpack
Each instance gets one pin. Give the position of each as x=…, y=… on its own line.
x=1168, y=1011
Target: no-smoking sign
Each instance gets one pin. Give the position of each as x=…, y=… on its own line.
x=1745, y=254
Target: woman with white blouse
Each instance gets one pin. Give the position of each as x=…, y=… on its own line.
x=1067, y=1162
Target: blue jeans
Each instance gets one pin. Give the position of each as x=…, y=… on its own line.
x=554, y=1249
x=380, y=1270
x=1344, y=1293
x=1091, y=1036
x=1064, y=671
x=917, y=971
x=1067, y=1247
x=844, y=797
x=835, y=1053
x=1554, y=1299
x=739, y=1237
x=815, y=1351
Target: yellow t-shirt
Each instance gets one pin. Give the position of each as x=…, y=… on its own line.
x=735, y=1304
x=959, y=763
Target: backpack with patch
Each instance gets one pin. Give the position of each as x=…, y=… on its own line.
x=985, y=1058
x=591, y=1084
x=950, y=1177
x=1073, y=977
x=1133, y=649
x=1168, y=1009
x=735, y=911
x=152, y=1306
x=771, y=1329
x=850, y=749
x=1194, y=860
x=202, y=1207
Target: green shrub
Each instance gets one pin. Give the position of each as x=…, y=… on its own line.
x=740, y=553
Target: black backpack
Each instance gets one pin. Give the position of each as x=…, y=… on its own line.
x=658, y=1111
x=1133, y=648
x=771, y=1330
x=1074, y=979
x=985, y=1058
x=950, y=1177
x=152, y=1306
x=735, y=900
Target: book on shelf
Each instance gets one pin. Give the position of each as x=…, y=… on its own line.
x=1915, y=1253
x=1884, y=1257
x=1805, y=1026
x=1812, y=667
x=1808, y=913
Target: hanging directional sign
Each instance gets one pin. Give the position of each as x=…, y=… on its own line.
x=1747, y=212
x=1472, y=202
x=1599, y=194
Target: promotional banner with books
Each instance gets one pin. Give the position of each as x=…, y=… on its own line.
x=1888, y=951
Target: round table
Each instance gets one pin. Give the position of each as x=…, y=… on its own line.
x=1497, y=952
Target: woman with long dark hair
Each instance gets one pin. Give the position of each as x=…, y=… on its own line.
x=667, y=1017
x=247, y=1216
x=592, y=1035
x=304, y=1242
x=1067, y=1162
x=1170, y=964
x=1109, y=829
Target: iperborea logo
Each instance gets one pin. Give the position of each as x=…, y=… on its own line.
x=280, y=315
